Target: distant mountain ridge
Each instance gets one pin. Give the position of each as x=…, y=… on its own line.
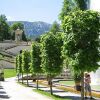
x=33, y=29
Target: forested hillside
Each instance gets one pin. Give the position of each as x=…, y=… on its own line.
x=33, y=29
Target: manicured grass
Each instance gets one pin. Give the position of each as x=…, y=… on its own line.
x=9, y=73
x=54, y=97
x=96, y=87
x=0, y=57
x=69, y=83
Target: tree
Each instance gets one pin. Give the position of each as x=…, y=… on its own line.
x=73, y=5
x=4, y=28
x=68, y=6
x=20, y=26
x=17, y=25
x=16, y=62
x=51, y=56
x=24, y=38
x=82, y=4
x=55, y=28
x=81, y=42
x=37, y=39
x=36, y=60
x=25, y=62
x=19, y=66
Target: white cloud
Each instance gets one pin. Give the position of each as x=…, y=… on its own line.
x=9, y=18
x=95, y=5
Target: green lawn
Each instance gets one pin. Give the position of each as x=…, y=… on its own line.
x=69, y=83
x=9, y=73
x=54, y=97
x=96, y=87
x=0, y=57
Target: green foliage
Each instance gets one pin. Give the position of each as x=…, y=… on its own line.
x=82, y=4
x=16, y=26
x=4, y=28
x=81, y=40
x=37, y=39
x=73, y=5
x=51, y=54
x=55, y=28
x=24, y=36
x=68, y=6
x=35, y=59
x=25, y=61
x=77, y=77
x=18, y=64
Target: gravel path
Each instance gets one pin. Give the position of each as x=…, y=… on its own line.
x=10, y=90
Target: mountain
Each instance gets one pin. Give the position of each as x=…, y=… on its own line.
x=33, y=29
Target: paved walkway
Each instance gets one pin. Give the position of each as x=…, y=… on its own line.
x=10, y=90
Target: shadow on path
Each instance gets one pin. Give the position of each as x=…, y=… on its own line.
x=69, y=97
x=58, y=93
x=34, y=85
x=3, y=94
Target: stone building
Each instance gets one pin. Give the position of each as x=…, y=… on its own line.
x=18, y=35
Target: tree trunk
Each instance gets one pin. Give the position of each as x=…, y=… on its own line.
x=48, y=82
x=22, y=77
x=48, y=79
x=37, y=82
x=18, y=77
x=82, y=86
x=27, y=78
x=33, y=77
x=51, y=86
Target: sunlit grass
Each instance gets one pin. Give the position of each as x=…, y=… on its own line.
x=96, y=87
x=54, y=97
x=9, y=73
x=69, y=83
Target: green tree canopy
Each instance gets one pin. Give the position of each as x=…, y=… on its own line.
x=81, y=40
x=4, y=28
x=55, y=28
x=35, y=59
x=68, y=6
x=73, y=5
x=20, y=26
x=25, y=61
x=17, y=25
x=51, y=56
x=82, y=43
x=82, y=4
x=18, y=63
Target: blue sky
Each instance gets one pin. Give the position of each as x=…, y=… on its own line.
x=31, y=10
